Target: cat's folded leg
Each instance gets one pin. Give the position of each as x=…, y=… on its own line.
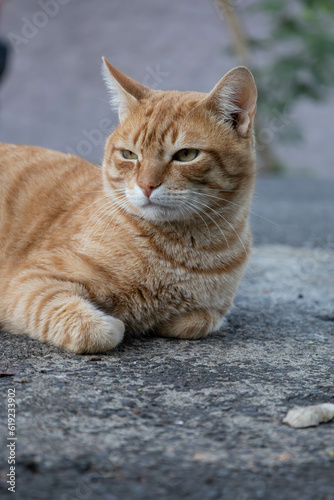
x=193, y=325
x=59, y=313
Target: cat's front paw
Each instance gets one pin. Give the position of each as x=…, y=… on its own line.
x=192, y=326
x=84, y=329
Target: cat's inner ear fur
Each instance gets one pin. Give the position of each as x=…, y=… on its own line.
x=124, y=91
x=233, y=99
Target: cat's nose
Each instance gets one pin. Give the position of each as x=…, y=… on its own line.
x=147, y=187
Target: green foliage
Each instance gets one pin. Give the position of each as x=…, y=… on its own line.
x=298, y=53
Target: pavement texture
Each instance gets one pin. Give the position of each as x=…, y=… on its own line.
x=162, y=418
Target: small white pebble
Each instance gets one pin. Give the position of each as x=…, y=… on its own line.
x=309, y=416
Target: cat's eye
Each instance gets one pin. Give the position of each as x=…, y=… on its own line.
x=186, y=155
x=129, y=155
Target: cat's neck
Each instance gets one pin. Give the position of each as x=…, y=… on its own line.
x=197, y=234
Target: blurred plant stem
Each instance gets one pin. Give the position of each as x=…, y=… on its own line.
x=291, y=57
x=268, y=159
x=228, y=14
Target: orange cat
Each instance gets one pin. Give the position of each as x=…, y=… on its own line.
x=155, y=240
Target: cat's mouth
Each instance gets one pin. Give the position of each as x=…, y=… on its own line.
x=159, y=211
x=157, y=204
x=156, y=207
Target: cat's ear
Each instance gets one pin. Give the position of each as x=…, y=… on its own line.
x=234, y=99
x=125, y=92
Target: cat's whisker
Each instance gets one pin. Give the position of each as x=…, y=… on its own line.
x=102, y=211
x=110, y=192
x=105, y=191
x=86, y=208
x=227, y=222
x=234, y=203
x=212, y=220
x=190, y=113
x=98, y=212
x=103, y=221
x=171, y=226
x=122, y=207
x=186, y=211
x=220, y=229
x=220, y=190
x=106, y=224
x=189, y=211
x=97, y=191
x=190, y=205
x=107, y=195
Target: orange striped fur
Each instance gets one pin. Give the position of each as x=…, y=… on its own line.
x=147, y=243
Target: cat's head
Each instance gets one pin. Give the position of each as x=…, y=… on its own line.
x=176, y=153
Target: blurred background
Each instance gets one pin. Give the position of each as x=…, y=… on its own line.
x=52, y=93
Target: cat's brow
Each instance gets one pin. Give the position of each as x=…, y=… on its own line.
x=157, y=127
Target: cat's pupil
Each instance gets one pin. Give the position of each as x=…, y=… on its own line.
x=185, y=152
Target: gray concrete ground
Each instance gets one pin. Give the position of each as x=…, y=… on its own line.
x=172, y=419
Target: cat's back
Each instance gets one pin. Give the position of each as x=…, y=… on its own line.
x=32, y=166
x=35, y=173
x=16, y=158
x=37, y=185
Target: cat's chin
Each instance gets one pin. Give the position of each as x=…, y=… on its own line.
x=160, y=213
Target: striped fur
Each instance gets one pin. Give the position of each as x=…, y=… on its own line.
x=83, y=259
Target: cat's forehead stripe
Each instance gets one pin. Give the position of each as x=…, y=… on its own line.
x=151, y=132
